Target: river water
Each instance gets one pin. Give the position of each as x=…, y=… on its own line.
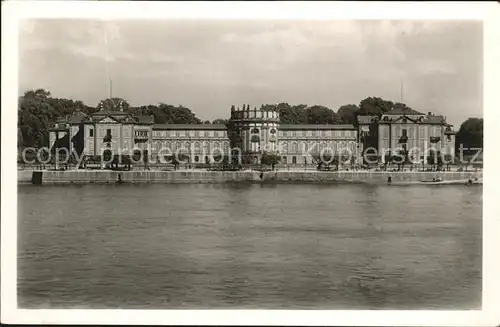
x=255, y=246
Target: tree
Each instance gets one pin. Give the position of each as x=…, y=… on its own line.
x=295, y=114
x=448, y=159
x=388, y=158
x=220, y=121
x=470, y=135
x=106, y=156
x=374, y=106
x=35, y=115
x=328, y=159
x=113, y=104
x=347, y=113
x=400, y=158
x=270, y=159
x=178, y=115
x=434, y=159
x=321, y=115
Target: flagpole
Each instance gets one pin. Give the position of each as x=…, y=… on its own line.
x=107, y=61
x=401, y=93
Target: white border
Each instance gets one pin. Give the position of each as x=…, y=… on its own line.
x=13, y=11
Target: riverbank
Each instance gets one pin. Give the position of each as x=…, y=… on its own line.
x=201, y=176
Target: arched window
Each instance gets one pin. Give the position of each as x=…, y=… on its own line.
x=294, y=160
x=342, y=146
x=284, y=159
x=196, y=159
x=295, y=147
x=305, y=160
x=303, y=146
x=197, y=147
x=283, y=147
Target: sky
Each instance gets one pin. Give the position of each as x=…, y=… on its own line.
x=208, y=65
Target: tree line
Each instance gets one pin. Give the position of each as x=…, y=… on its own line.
x=38, y=111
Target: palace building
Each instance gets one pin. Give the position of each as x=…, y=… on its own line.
x=406, y=129
x=253, y=132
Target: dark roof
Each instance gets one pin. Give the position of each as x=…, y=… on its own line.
x=76, y=118
x=315, y=127
x=366, y=119
x=438, y=120
x=110, y=113
x=403, y=111
x=145, y=119
x=190, y=126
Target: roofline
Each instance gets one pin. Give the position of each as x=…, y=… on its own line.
x=189, y=127
x=316, y=127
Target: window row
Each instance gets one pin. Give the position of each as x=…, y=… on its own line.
x=423, y=132
x=295, y=147
x=317, y=133
x=189, y=133
x=190, y=146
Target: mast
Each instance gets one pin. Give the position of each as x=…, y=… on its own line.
x=107, y=62
x=401, y=92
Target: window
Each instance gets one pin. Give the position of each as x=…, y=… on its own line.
x=309, y=133
x=108, y=131
x=322, y=133
x=91, y=132
x=202, y=133
x=294, y=160
x=405, y=134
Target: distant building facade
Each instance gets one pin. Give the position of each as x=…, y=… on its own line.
x=253, y=132
x=405, y=129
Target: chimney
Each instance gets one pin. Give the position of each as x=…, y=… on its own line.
x=429, y=113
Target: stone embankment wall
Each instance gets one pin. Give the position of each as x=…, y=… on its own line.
x=188, y=176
